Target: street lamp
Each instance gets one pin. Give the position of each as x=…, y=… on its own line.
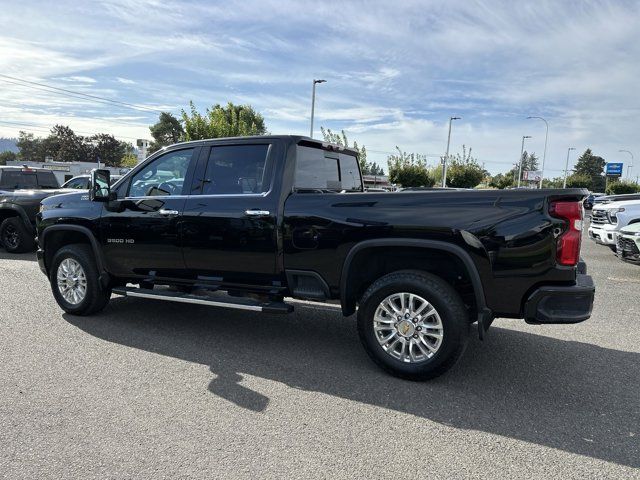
x=566, y=167
x=544, y=155
x=630, y=165
x=313, y=103
x=522, y=153
x=446, y=155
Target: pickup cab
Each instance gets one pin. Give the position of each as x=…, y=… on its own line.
x=251, y=222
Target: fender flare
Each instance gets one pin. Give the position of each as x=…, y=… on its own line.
x=20, y=213
x=95, y=246
x=484, y=313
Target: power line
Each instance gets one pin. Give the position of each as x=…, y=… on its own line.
x=42, y=128
x=74, y=94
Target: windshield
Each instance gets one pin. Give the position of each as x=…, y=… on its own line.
x=21, y=179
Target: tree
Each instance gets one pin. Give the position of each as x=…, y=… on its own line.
x=591, y=166
x=30, y=147
x=129, y=160
x=464, y=171
x=502, y=180
x=409, y=169
x=510, y=178
x=579, y=181
x=64, y=145
x=108, y=150
x=367, y=168
x=7, y=156
x=620, y=187
x=166, y=131
x=230, y=121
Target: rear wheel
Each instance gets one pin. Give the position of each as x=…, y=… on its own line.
x=75, y=281
x=413, y=324
x=15, y=237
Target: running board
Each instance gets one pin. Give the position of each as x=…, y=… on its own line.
x=238, y=303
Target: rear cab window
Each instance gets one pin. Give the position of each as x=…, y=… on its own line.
x=319, y=170
x=27, y=179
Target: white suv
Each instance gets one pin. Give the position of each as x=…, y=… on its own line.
x=607, y=220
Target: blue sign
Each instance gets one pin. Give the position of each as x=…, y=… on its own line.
x=614, y=169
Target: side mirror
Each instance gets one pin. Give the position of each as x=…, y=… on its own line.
x=100, y=190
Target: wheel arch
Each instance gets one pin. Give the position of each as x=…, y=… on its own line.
x=349, y=291
x=57, y=236
x=8, y=210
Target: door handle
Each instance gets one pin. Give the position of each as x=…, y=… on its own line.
x=257, y=213
x=168, y=213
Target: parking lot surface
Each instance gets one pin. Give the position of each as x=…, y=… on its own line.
x=150, y=389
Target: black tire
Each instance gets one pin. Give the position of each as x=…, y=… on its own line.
x=15, y=237
x=612, y=248
x=447, y=302
x=96, y=298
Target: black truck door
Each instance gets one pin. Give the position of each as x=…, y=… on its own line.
x=229, y=222
x=141, y=231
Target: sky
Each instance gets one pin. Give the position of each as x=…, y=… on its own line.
x=395, y=71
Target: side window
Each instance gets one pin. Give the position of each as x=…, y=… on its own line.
x=164, y=176
x=236, y=169
x=317, y=169
x=81, y=183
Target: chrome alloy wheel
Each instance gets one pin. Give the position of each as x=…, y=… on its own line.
x=408, y=327
x=72, y=281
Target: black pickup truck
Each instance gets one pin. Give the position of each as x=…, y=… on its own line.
x=247, y=222
x=21, y=190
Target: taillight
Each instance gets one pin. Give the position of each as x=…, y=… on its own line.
x=568, y=246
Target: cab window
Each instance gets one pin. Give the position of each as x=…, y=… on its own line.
x=237, y=169
x=162, y=177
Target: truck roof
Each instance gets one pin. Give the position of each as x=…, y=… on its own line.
x=295, y=139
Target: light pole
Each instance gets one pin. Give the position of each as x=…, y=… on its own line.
x=566, y=167
x=630, y=165
x=446, y=155
x=544, y=155
x=522, y=153
x=313, y=103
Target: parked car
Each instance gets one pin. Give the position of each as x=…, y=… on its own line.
x=269, y=217
x=589, y=201
x=628, y=247
x=82, y=182
x=607, y=220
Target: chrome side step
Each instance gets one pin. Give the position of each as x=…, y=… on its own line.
x=238, y=303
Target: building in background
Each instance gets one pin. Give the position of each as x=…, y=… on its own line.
x=142, y=145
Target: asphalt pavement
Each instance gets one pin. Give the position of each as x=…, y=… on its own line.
x=151, y=389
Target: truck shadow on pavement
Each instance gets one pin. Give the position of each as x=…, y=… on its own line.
x=29, y=256
x=568, y=395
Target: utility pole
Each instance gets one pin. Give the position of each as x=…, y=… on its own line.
x=313, y=103
x=544, y=155
x=630, y=165
x=446, y=155
x=521, y=154
x=566, y=167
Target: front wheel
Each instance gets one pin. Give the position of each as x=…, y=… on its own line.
x=413, y=324
x=75, y=281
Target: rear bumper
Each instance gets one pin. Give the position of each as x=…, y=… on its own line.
x=561, y=304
